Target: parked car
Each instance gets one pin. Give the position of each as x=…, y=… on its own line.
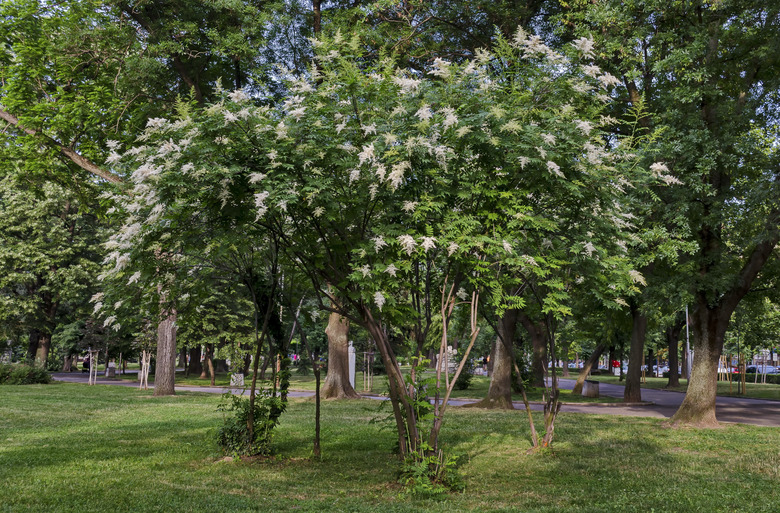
x=760, y=369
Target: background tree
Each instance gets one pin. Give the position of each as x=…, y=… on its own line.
x=48, y=253
x=707, y=80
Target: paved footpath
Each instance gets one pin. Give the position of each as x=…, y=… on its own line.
x=659, y=403
x=664, y=403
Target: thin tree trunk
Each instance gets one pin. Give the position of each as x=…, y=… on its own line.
x=42, y=351
x=317, y=400
x=315, y=365
x=207, y=364
x=212, y=372
x=32, y=345
x=440, y=404
x=633, y=390
x=247, y=365
x=182, y=358
x=195, y=367
x=260, y=335
x=267, y=359
x=317, y=25
x=673, y=340
x=537, y=332
x=403, y=410
x=337, y=385
x=587, y=366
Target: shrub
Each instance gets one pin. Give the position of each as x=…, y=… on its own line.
x=750, y=378
x=23, y=374
x=427, y=474
x=233, y=437
x=464, y=378
x=5, y=372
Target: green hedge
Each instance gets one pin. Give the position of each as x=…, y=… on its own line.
x=749, y=378
x=22, y=374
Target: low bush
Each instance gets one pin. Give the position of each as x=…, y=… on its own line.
x=233, y=437
x=22, y=374
x=429, y=474
x=751, y=378
x=464, y=378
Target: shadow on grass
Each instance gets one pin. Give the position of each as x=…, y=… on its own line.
x=83, y=448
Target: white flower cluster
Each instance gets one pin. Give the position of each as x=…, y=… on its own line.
x=532, y=45
x=379, y=299
x=407, y=85
x=637, y=277
x=440, y=68
x=660, y=170
x=260, y=198
x=408, y=243
x=428, y=243
x=585, y=46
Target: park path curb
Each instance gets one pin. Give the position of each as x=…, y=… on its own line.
x=664, y=404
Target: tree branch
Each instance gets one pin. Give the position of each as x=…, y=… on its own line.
x=82, y=162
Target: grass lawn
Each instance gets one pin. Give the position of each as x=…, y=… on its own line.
x=477, y=390
x=69, y=447
x=754, y=390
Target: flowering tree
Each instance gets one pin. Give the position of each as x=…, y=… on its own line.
x=362, y=177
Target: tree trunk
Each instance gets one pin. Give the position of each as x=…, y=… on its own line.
x=673, y=340
x=266, y=361
x=587, y=366
x=400, y=400
x=212, y=372
x=247, y=364
x=709, y=328
x=208, y=368
x=499, y=394
x=500, y=391
x=182, y=358
x=431, y=357
x=315, y=365
x=32, y=345
x=165, y=369
x=337, y=385
x=195, y=367
x=67, y=364
x=220, y=365
x=538, y=334
x=633, y=390
x=42, y=352
x=207, y=364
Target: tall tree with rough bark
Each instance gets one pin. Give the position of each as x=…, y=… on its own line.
x=337, y=385
x=502, y=356
x=708, y=74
